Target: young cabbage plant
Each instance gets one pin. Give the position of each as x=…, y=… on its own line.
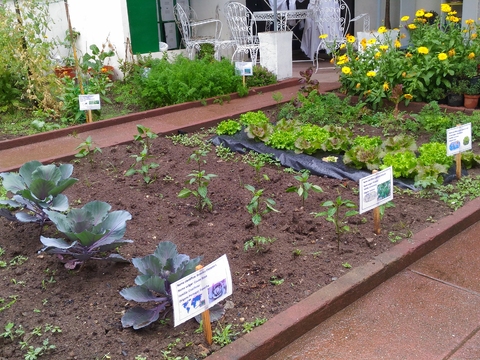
x=91, y=231
x=157, y=272
x=37, y=188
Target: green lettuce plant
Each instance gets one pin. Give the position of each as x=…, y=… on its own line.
x=403, y=163
x=228, y=127
x=157, y=272
x=92, y=231
x=364, y=153
x=37, y=188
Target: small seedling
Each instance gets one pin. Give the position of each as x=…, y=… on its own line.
x=276, y=281
x=200, y=181
x=224, y=335
x=297, y=252
x=333, y=215
x=253, y=206
x=258, y=242
x=304, y=187
x=143, y=138
x=347, y=265
x=249, y=326
x=86, y=150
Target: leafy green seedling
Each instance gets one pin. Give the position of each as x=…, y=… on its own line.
x=258, y=242
x=224, y=335
x=276, y=281
x=249, y=326
x=304, y=187
x=333, y=214
x=144, y=167
x=254, y=206
x=346, y=265
x=87, y=150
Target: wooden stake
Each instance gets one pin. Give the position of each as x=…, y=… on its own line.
x=75, y=57
x=207, y=326
x=376, y=216
x=458, y=159
x=244, y=81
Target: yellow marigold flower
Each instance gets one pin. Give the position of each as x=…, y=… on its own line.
x=442, y=56
x=403, y=36
x=422, y=50
x=471, y=55
x=420, y=13
x=346, y=70
x=404, y=74
x=408, y=96
x=363, y=43
x=397, y=44
x=368, y=92
x=382, y=29
x=371, y=73
x=446, y=8
x=371, y=41
x=323, y=36
x=350, y=38
x=332, y=60
x=383, y=47
x=469, y=21
x=378, y=54
x=408, y=55
x=358, y=85
x=405, y=18
x=412, y=26
x=451, y=52
x=453, y=12
x=474, y=36
x=341, y=62
x=428, y=15
x=385, y=86
x=454, y=19
x=343, y=46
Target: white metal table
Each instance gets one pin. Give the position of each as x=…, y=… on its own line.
x=283, y=17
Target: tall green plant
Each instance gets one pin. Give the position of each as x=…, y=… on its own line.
x=254, y=207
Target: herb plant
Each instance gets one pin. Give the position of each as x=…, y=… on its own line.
x=304, y=187
x=157, y=272
x=87, y=150
x=254, y=207
x=38, y=188
x=143, y=137
x=334, y=215
x=259, y=243
x=92, y=232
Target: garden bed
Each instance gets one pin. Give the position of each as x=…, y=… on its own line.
x=85, y=303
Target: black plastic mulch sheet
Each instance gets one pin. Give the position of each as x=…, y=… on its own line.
x=313, y=163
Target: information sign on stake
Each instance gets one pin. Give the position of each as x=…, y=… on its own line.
x=459, y=139
x=243, y=69
x=89, y=102
x=376, y=189
x=202, y=289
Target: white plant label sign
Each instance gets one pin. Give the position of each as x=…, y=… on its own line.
x=376, y=189
x=459, y=139
x=202, y=289
x=89, y=102
x=243, y=68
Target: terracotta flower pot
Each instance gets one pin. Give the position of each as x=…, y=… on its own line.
x=470, y=101
x=107, y=69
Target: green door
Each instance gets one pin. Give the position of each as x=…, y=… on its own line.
x=143, y=23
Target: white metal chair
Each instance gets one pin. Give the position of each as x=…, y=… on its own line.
x=333, y=18
x=187, y=23
x=243, y=27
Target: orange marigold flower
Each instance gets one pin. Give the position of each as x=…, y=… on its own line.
x=451, y=52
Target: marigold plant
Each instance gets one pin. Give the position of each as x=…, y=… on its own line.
x=440, y=49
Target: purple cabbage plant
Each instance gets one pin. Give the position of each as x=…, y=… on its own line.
x=37, y=188
x=157, y=272
x=92, y=232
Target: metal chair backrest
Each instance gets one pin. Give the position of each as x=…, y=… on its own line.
x=241, y=23
x=182, y=19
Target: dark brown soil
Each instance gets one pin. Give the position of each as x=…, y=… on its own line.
x=86, y=304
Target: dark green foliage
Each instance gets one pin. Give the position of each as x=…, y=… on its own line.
x=185, y=80
x=261, y=77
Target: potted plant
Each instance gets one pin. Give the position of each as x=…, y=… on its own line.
x=471, y=93
x=455, y=94
x=67, y=63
